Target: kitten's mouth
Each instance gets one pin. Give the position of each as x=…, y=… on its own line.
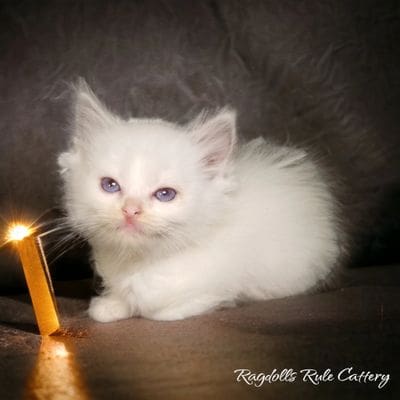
x=131, y=227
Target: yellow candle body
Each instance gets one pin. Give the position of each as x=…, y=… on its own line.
x=39, y=284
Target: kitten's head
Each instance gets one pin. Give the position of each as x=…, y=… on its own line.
x=138, y=181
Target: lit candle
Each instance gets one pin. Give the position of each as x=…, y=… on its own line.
x=37, y=278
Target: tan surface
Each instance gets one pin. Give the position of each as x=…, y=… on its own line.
x=355, y=327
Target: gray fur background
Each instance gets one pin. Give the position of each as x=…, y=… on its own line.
x=320, y=74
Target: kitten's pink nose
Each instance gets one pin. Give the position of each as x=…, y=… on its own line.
x=131, y=209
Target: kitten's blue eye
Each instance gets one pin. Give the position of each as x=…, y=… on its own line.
x=165, y=194
x=110, y=185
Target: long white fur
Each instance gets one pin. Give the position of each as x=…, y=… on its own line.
x=249, y=222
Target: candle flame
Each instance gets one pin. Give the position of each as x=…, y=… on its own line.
x=18, y=232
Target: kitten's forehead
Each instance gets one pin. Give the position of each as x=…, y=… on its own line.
x=146, y=153
x=156, y=142
x=140, y=138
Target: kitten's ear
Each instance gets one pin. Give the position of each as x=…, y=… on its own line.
x=90, y=115
x=216, y=136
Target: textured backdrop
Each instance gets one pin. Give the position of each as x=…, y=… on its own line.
x=304, y=72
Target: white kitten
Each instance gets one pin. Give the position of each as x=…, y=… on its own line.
x=182, y=220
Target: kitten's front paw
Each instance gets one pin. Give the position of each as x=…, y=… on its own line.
x=108, y=309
